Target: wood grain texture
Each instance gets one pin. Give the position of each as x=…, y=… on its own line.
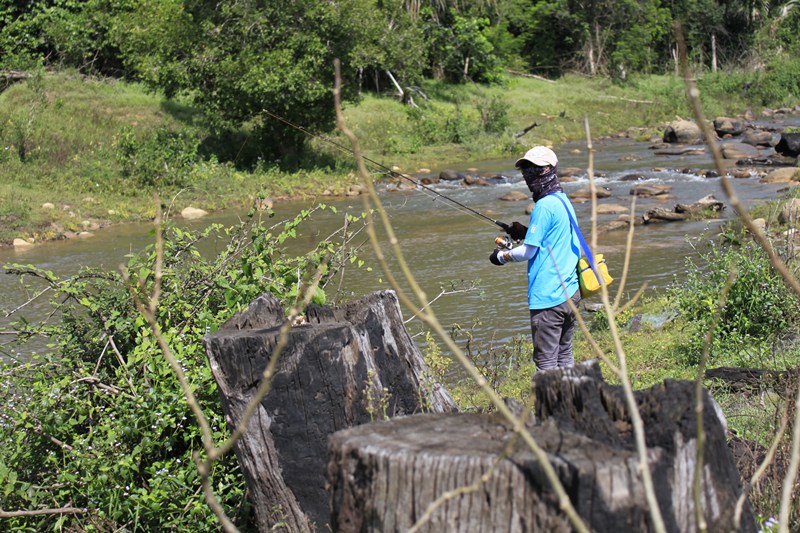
x=384, y=476
x=344, y=367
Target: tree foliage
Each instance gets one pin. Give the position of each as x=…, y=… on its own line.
x=239, y=60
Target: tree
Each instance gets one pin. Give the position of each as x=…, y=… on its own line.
x=239, y=60
x=460, y=50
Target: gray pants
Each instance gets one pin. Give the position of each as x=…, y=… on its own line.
x=552, y=330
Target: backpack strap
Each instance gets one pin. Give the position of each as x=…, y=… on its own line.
x=584, y=245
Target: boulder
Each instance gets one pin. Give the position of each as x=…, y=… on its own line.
x=757, y=137
x=782, y=175
x=683, y=132
x=729, y=126
x=21, y=243
x=647, y=191
x=451, y=175
x=192, y=213
x=739, y=151
x=354, y=189
x=789, y=145
x=469, y=179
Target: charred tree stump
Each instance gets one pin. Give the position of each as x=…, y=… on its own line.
x=344, y=367
x=385, y=476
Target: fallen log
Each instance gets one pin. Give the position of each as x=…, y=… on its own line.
x=708, y=205
x=659, y=214
x=343, y=367
x=471, y=472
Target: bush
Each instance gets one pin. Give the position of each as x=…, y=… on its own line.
x=158, y=158
x=759, y=308
x=100, y=422
x=778, y=84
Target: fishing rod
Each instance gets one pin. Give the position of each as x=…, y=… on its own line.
x=388, y=170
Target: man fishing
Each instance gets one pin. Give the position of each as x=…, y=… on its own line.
x=552, y=250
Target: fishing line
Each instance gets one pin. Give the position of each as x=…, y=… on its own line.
x=460, y=207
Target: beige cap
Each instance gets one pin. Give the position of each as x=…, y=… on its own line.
x=541, y=156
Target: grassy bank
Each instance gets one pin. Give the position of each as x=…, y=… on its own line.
x=94, y=152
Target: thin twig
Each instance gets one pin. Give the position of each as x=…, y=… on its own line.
x=627, y=262
x=762, y=468
x=429, y=318
x=630, y=400
x=776, y=262
x=698, y=408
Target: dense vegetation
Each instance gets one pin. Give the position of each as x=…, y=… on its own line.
x=106, y=102
x=239, y=61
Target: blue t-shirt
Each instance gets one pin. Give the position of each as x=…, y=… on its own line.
x=558, y=254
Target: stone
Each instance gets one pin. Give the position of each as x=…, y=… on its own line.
x=739, y=151
x=515, y=196
x=586, y=193
x=646, y=191
x=782, y=175
x=451, y=175
x=789, y=145
x=683, y=132
x=761, y=224
x=757, y=137
x=729, y=126
x=48, y=205
x=611, y=209
x=22, y=243
x=192, y=213
x=569, y=172
x=469, y=179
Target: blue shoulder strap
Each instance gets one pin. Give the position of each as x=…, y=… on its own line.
x=585, y=246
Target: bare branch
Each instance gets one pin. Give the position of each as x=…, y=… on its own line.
x=43, y=512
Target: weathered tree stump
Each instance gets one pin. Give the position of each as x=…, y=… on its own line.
x=385, y=476
x=344, y=367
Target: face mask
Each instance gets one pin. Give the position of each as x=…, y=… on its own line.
x=541, y=181
x=532, y=173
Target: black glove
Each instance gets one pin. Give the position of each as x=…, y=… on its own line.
x=516, y=230
x=493, y=258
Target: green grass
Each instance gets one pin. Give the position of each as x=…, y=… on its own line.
x=60, y=140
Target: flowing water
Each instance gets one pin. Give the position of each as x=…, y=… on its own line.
x=447, y=248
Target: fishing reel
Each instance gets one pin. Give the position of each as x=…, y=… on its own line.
x=504, y=242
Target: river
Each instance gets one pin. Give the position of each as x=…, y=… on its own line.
x=444, y=246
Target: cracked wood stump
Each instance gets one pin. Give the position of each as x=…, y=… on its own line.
x=344, y=367
x=385, y=476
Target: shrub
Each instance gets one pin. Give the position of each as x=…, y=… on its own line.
x=99, y=422
x=159, y=158
x=759, y=307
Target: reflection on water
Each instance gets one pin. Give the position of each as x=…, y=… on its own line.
x=447, y=248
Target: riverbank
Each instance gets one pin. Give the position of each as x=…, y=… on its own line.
x=80, y=153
